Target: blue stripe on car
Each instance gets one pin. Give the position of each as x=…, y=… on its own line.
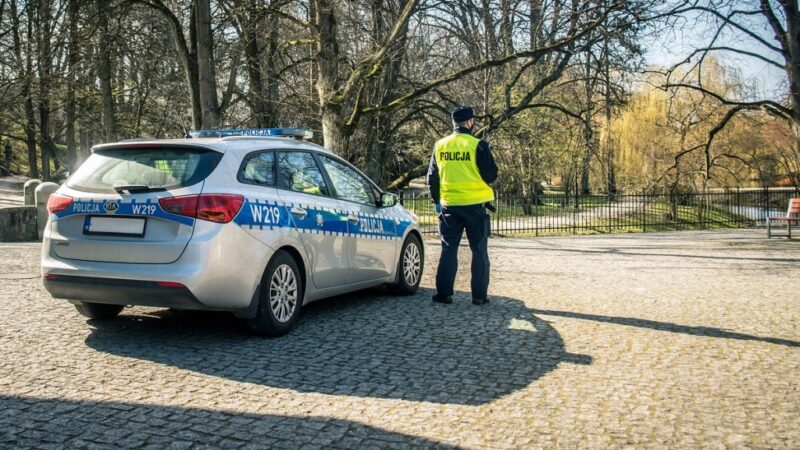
x=148, y=208
x=255, y=213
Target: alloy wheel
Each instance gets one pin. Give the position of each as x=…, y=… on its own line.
x=411, y=264
x=283, y=293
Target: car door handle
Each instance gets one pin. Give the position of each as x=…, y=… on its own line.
x=299, y=212
x=352, y=218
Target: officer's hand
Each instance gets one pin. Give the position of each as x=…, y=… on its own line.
x=438, y=209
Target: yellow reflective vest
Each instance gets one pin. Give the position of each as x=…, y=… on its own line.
x=460, y=182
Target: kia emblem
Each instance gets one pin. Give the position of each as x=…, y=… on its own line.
x=111, y=207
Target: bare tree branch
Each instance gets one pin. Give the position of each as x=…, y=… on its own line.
x=735, y=50
x=770, y=106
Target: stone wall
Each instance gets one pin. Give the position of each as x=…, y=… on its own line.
x=18, y=224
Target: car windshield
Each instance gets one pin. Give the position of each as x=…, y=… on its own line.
x=143, y=169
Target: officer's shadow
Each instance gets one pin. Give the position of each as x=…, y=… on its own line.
x=364, y=344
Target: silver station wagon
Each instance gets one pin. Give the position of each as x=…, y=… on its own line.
x=255, y=222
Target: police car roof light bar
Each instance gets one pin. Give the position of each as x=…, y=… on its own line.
x=295, y=133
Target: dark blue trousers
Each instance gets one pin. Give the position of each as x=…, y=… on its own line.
x=452, y=223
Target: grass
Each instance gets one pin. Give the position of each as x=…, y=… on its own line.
x=511, y=209
x=658, y=217
x=653, y=218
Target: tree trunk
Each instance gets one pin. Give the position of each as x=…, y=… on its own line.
x=335, y=135
x=380, y=159
x=567, y=183
x=378, y=163
x=7, y=158
x=333, y=132
x=312, y=51
x=791, y=47
x=536, y=19
x=191, y=67
x=72, y=68
x=30, y=120
x=271, y=112
x=375, y=163
x=43, y=39
x=187, y=53
x=611, y=177
x=586, y=161
x=104, y=73
x=490, y=38
x=26, y=91
x=506, y=28
x=260, y=97
x=209, y=102
x=588, y=132
x=84, y=140
x=341, y=98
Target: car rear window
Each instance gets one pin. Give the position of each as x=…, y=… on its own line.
x=155, y=168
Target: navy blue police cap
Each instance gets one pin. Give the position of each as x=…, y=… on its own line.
x=461, y=114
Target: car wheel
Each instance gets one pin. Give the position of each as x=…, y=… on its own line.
x=409, y=267
x=280, y=297
x=98, y=311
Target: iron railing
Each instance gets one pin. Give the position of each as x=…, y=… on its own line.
x=554, y=213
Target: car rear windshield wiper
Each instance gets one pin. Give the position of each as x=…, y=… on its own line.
x=137, y=188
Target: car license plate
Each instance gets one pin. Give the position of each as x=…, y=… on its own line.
x=114, y=226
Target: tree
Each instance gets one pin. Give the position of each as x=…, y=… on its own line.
x=738, y=21
x=105, y=72
x=187, y=52
x=43, y=29
x=378, y=78
x=662, y=135
x=23, y=56
x=261, y=56
x=206, y=73
x=70, y=106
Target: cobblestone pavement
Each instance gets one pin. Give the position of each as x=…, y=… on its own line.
x=661, y=340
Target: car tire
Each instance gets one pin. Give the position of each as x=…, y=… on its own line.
x=409, y=267
x=280, y=297
x=98, y=311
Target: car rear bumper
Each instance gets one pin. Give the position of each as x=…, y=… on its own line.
x=121, y=292
x=220, y=269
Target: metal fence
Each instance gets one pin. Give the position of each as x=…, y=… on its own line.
x=557, y=214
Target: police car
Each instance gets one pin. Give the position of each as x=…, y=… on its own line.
x=255, y=222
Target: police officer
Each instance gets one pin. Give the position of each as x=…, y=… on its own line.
x=459, y=174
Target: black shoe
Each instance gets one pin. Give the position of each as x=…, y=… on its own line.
x=480, y=301
x=440, y=299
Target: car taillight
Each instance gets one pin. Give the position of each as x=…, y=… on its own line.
x=57, y=203
x=185, y=205
x=220, y=208
x=170, y=284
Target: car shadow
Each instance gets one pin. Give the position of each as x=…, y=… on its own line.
x=57, y=423
x=365, y=344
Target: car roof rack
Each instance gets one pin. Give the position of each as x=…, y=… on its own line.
x=292, y=133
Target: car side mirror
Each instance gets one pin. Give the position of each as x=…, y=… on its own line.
x=388, y=200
